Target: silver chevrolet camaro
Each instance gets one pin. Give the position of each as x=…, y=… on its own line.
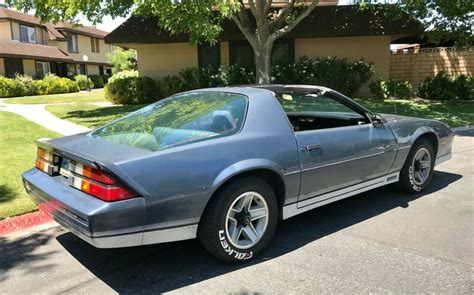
x=225, y=164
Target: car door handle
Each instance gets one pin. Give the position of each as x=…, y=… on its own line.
x=312, y=147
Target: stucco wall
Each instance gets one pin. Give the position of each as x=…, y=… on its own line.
x=2, y=67
x=92, y=70
x=375, y=50
x=224, y=53
x=29, y=67
x=158, y=60
x=415, y=67
x=5, y=31
x=16, y=31
x=84, y=43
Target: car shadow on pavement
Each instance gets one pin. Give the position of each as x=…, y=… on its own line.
x=166, y=267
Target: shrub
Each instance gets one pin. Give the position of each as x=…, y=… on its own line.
x=338, y=74
x=443, y=87
x=12, y=87
x=97, y=81
x=52, y=84
x=127, y=87
x=235, y=75
x=29, y=83
x=170, y=85
x=385, y=89
x=82, y=81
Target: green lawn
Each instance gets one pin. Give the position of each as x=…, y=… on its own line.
x=18, y=153
x=83, y=97
x=455, y=113
x=89, y=115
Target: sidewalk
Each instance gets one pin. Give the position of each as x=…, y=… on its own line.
x=37, y=114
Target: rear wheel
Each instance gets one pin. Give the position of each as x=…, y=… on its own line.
x=418, y=169
x=240, y=220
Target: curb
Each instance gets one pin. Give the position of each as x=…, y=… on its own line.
x=24, y=221
x=463, y=128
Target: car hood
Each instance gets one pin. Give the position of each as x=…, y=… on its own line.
x=395, y=118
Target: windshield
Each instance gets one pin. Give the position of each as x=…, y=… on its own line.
x=178, y=120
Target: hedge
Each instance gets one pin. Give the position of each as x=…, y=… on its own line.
x=25, y=86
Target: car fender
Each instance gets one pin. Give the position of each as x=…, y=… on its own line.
x=244, y=166
x=420, y=131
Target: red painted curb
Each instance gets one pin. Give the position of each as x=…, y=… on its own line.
x=24, y=221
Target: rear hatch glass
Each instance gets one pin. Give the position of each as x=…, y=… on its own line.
x=178, y=120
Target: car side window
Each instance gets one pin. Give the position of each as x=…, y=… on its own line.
x=310, y=111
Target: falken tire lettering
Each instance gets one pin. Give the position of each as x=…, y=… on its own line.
x=237, y=255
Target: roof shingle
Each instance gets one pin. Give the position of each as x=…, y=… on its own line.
x=35, y=51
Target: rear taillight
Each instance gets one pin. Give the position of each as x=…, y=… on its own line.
x=98, y=183
x=46, y=161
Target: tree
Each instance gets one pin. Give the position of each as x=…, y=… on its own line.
x=122, y=59
x=450, y=20
x=260, y=21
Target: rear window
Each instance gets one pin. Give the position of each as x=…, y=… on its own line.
x=178, y=120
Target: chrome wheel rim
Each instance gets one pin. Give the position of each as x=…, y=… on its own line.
x=246, y=220
x=421, y=166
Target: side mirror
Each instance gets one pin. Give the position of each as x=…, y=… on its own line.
x=376, y=120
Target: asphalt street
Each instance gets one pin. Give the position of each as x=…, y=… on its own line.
x=380, y=241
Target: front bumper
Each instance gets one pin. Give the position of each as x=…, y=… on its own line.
x=102, y=224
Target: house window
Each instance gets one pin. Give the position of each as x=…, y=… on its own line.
x=241, y=53
x=283, y=52
x=27, y=34
x=71, y=70
x=42, y=69
x=72, y=45
x=209, y=55
x=95, y=47
x=82, y=69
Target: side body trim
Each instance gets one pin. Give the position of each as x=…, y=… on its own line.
x=320, y=200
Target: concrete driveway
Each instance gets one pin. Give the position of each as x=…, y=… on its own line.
x=380, y=241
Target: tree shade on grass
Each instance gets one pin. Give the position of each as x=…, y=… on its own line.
x=18, y=153
x=453, y=112
x=90, y=115
x=93, y=96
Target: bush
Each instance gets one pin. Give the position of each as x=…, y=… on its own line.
x=235, y=75
x=443, y=87
x=338, y=74
x=82, y=82
x=12, y=87
x=97, y=81
x=29, y=83
x=385, y=89
x=170, y=85
x=52, y=84
x=127, y=87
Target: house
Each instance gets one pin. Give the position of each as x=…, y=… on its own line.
x=343, y=31
x=30, y=47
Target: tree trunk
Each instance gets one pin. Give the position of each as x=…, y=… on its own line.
x=263, y=53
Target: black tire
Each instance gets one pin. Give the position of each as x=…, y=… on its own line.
x=212, y=230
x=407, y=181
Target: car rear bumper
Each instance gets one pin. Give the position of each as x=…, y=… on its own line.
x=102, y=224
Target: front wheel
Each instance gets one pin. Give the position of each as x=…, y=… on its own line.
x=418, y=169
x=240, y=220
